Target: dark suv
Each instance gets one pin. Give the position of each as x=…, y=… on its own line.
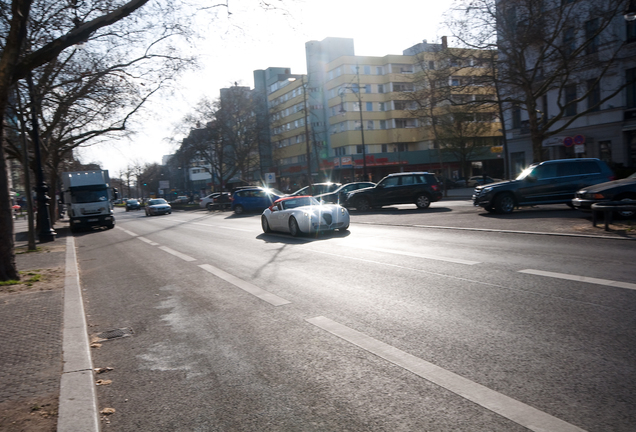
x=549, y=182
x=419, y=188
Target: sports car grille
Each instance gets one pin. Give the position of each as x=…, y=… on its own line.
x=327, y=218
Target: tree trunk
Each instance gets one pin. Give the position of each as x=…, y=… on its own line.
x=20, y=14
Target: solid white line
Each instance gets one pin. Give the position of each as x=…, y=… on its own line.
x=413, y=254
x=585, y=279
x=77, y=410
x=246, y=286
x=177, y=254
x=150, y=242
x=516, y=411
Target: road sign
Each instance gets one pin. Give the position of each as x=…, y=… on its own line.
x=568, y=141
x=579, y=139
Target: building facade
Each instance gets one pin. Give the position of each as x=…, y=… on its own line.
x=352, y=118
x=588, y=108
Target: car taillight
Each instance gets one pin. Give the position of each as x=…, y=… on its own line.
x=612, y=178
x=435, y=187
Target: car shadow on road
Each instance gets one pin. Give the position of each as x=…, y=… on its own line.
x=400, y=211
x=536, y=212
x=280, y=237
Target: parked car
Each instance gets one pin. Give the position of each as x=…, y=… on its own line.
x=317, y=188
x=304, y=215
x=419, y=188
x=339, y=195
x=617, y=190
x=133, y=204
x=221, y=202
x=479, y=180
x=157, y=206
x=549, y=182
x=181, y=200
x=216, y=200
x=253, y=199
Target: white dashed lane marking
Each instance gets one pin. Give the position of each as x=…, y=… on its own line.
x=585, y=279
x=177, y=254
x=246, y=286
x=518, y=412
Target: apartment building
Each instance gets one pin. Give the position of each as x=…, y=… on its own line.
x=589, y=107
x=351, y=117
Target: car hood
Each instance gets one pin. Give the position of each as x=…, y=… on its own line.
x=159, y=206
x=360, y=190
x=498, y=184
x=612, y=184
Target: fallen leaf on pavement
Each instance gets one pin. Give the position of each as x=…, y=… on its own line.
x=103, y=369
x=103, y=382
x=107, y=411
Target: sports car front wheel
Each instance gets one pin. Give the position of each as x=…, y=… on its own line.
x=265, y=224
x=293, y=227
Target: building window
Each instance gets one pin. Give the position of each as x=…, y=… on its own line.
x=570, y=98
x=339, y=151
x=383, y=124
x=380, y=88
x=356, y=106
x=379, y=70
x=630, y=27
x=605, y=151
x=370, y=125
x=367, y=88
x=593, y=95
x=544, y=114
x=367, y=70
x=359, y=148
x=385, y=148
x=630, y=90
x=381, y=106
x=591, y=36
x=369, y=106
x=516, y=117
x=431, y=65
x=568, y=41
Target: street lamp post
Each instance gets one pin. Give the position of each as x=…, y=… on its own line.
x=358, y=93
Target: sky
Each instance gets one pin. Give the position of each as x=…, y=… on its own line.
x=253, y=38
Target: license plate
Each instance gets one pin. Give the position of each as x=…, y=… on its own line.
x=93, y=220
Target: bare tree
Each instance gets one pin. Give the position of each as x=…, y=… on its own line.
x=228, y=144
x=453, y=99
x=561, y=48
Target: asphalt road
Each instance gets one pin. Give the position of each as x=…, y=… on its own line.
x=448, y=319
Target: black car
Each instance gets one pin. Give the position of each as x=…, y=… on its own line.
x=340, y=195
x=132, y=204
x=419, y=188
x=317, y=189
x=617, y=190
x=549, y=182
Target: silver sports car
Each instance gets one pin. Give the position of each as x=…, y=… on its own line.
x=304, y=215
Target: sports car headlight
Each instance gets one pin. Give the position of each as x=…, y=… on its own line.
x=342, y=210
x=486, y=190
x=307, y=214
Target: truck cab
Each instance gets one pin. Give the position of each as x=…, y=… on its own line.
x=89, y=199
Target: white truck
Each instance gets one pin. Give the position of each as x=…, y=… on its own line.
x=89, y=199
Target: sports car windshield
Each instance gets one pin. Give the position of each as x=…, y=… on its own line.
x=157, y=201
x=299, y=202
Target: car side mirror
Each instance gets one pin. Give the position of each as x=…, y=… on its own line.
x=273, y=208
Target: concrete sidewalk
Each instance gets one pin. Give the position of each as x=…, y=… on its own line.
x=46, y=366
